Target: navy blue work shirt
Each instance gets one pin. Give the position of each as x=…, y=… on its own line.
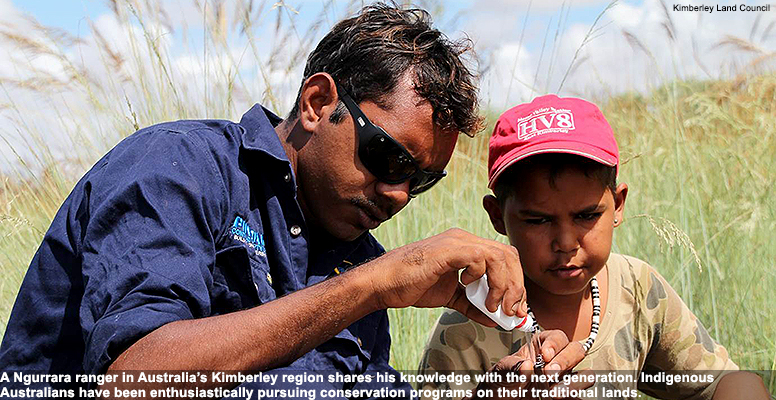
x=181, y=220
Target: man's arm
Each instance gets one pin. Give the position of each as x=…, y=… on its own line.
x=249, y=339
x=423, y=274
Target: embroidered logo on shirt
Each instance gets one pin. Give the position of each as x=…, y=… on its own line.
x=545, y=120
x=243, y=232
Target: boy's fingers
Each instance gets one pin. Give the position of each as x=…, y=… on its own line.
x=561, y=356
x=527, y=368
x=552, y=342
x=574, y=381
x=510, y=363
x=585, y=379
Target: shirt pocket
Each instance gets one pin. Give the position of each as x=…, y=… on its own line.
x=355, y=343
x=239, y=281
x=262, y=279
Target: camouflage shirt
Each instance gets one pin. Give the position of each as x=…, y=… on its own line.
x=646, y=327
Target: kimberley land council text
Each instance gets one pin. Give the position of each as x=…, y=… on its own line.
x=721, y=8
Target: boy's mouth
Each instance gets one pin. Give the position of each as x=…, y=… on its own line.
x=566, y=271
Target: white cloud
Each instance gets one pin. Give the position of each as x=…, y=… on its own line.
x=636, y=47
x=631, y=49
x=7, y=11
x=117, y=64
x=510, y=77
x=538, y=5
x=626, y=15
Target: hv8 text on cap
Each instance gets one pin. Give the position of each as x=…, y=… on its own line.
x=551, y=124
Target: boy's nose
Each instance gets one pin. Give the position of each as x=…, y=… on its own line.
x=565, y=241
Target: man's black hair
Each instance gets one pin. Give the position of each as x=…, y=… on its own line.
x=368, y=54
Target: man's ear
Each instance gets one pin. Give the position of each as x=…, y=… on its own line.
x=317, y=101
x=492, y=206
x=620, y=193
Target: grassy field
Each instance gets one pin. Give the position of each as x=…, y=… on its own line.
x=698, y=157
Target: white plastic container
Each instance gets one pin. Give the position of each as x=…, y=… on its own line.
x=477, y=291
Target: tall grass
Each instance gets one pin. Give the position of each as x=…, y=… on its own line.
x=698, y=156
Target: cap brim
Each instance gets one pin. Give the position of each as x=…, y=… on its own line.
x=556, y=146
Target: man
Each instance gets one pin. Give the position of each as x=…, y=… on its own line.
x=210, y=245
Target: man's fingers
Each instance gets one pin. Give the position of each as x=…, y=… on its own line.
x=472, y=257
x=515, y=302
x=505, y=283
x=552, y=342
x=498, y=276
x=514, y=291
x=527, y=368
x=461, y=304
x=505, y=279
x=476, y=265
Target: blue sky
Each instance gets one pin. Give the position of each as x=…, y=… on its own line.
x=69, y=15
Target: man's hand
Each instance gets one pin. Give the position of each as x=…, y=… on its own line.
x=425, y=274
x=560, y=354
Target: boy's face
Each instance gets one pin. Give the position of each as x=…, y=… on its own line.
x=562, y=231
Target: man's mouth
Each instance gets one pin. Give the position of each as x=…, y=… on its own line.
x=370, y=214
x=371, y=217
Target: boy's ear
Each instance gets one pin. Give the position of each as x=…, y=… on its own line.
x=620, y=193
x=492, y=206
x=318, y=99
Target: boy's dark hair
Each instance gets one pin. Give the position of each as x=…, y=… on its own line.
x=509, y=181
x=367, y=54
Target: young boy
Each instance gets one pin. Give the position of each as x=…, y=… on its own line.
x=552, y=167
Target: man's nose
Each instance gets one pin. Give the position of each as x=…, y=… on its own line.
x=398, y=194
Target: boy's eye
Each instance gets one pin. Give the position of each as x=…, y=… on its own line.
x=590, y=216
x=536, y=221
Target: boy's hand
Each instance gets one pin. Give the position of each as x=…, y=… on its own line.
x=425, y=274
x=560, y=355
x=732, y=385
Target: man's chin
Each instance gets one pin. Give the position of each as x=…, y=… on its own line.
x=347, y=232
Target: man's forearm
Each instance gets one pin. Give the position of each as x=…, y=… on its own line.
x=739, y=385
x=265, y=337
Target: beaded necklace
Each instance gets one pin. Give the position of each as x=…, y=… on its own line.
x=588, y=343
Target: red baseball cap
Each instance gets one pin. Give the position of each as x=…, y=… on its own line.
x=551, y=124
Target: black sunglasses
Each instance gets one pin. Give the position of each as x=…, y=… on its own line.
x=384, y=157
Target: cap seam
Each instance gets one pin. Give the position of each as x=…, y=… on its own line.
x=540, y=151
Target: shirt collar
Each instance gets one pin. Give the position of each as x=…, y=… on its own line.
x=259, y=124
